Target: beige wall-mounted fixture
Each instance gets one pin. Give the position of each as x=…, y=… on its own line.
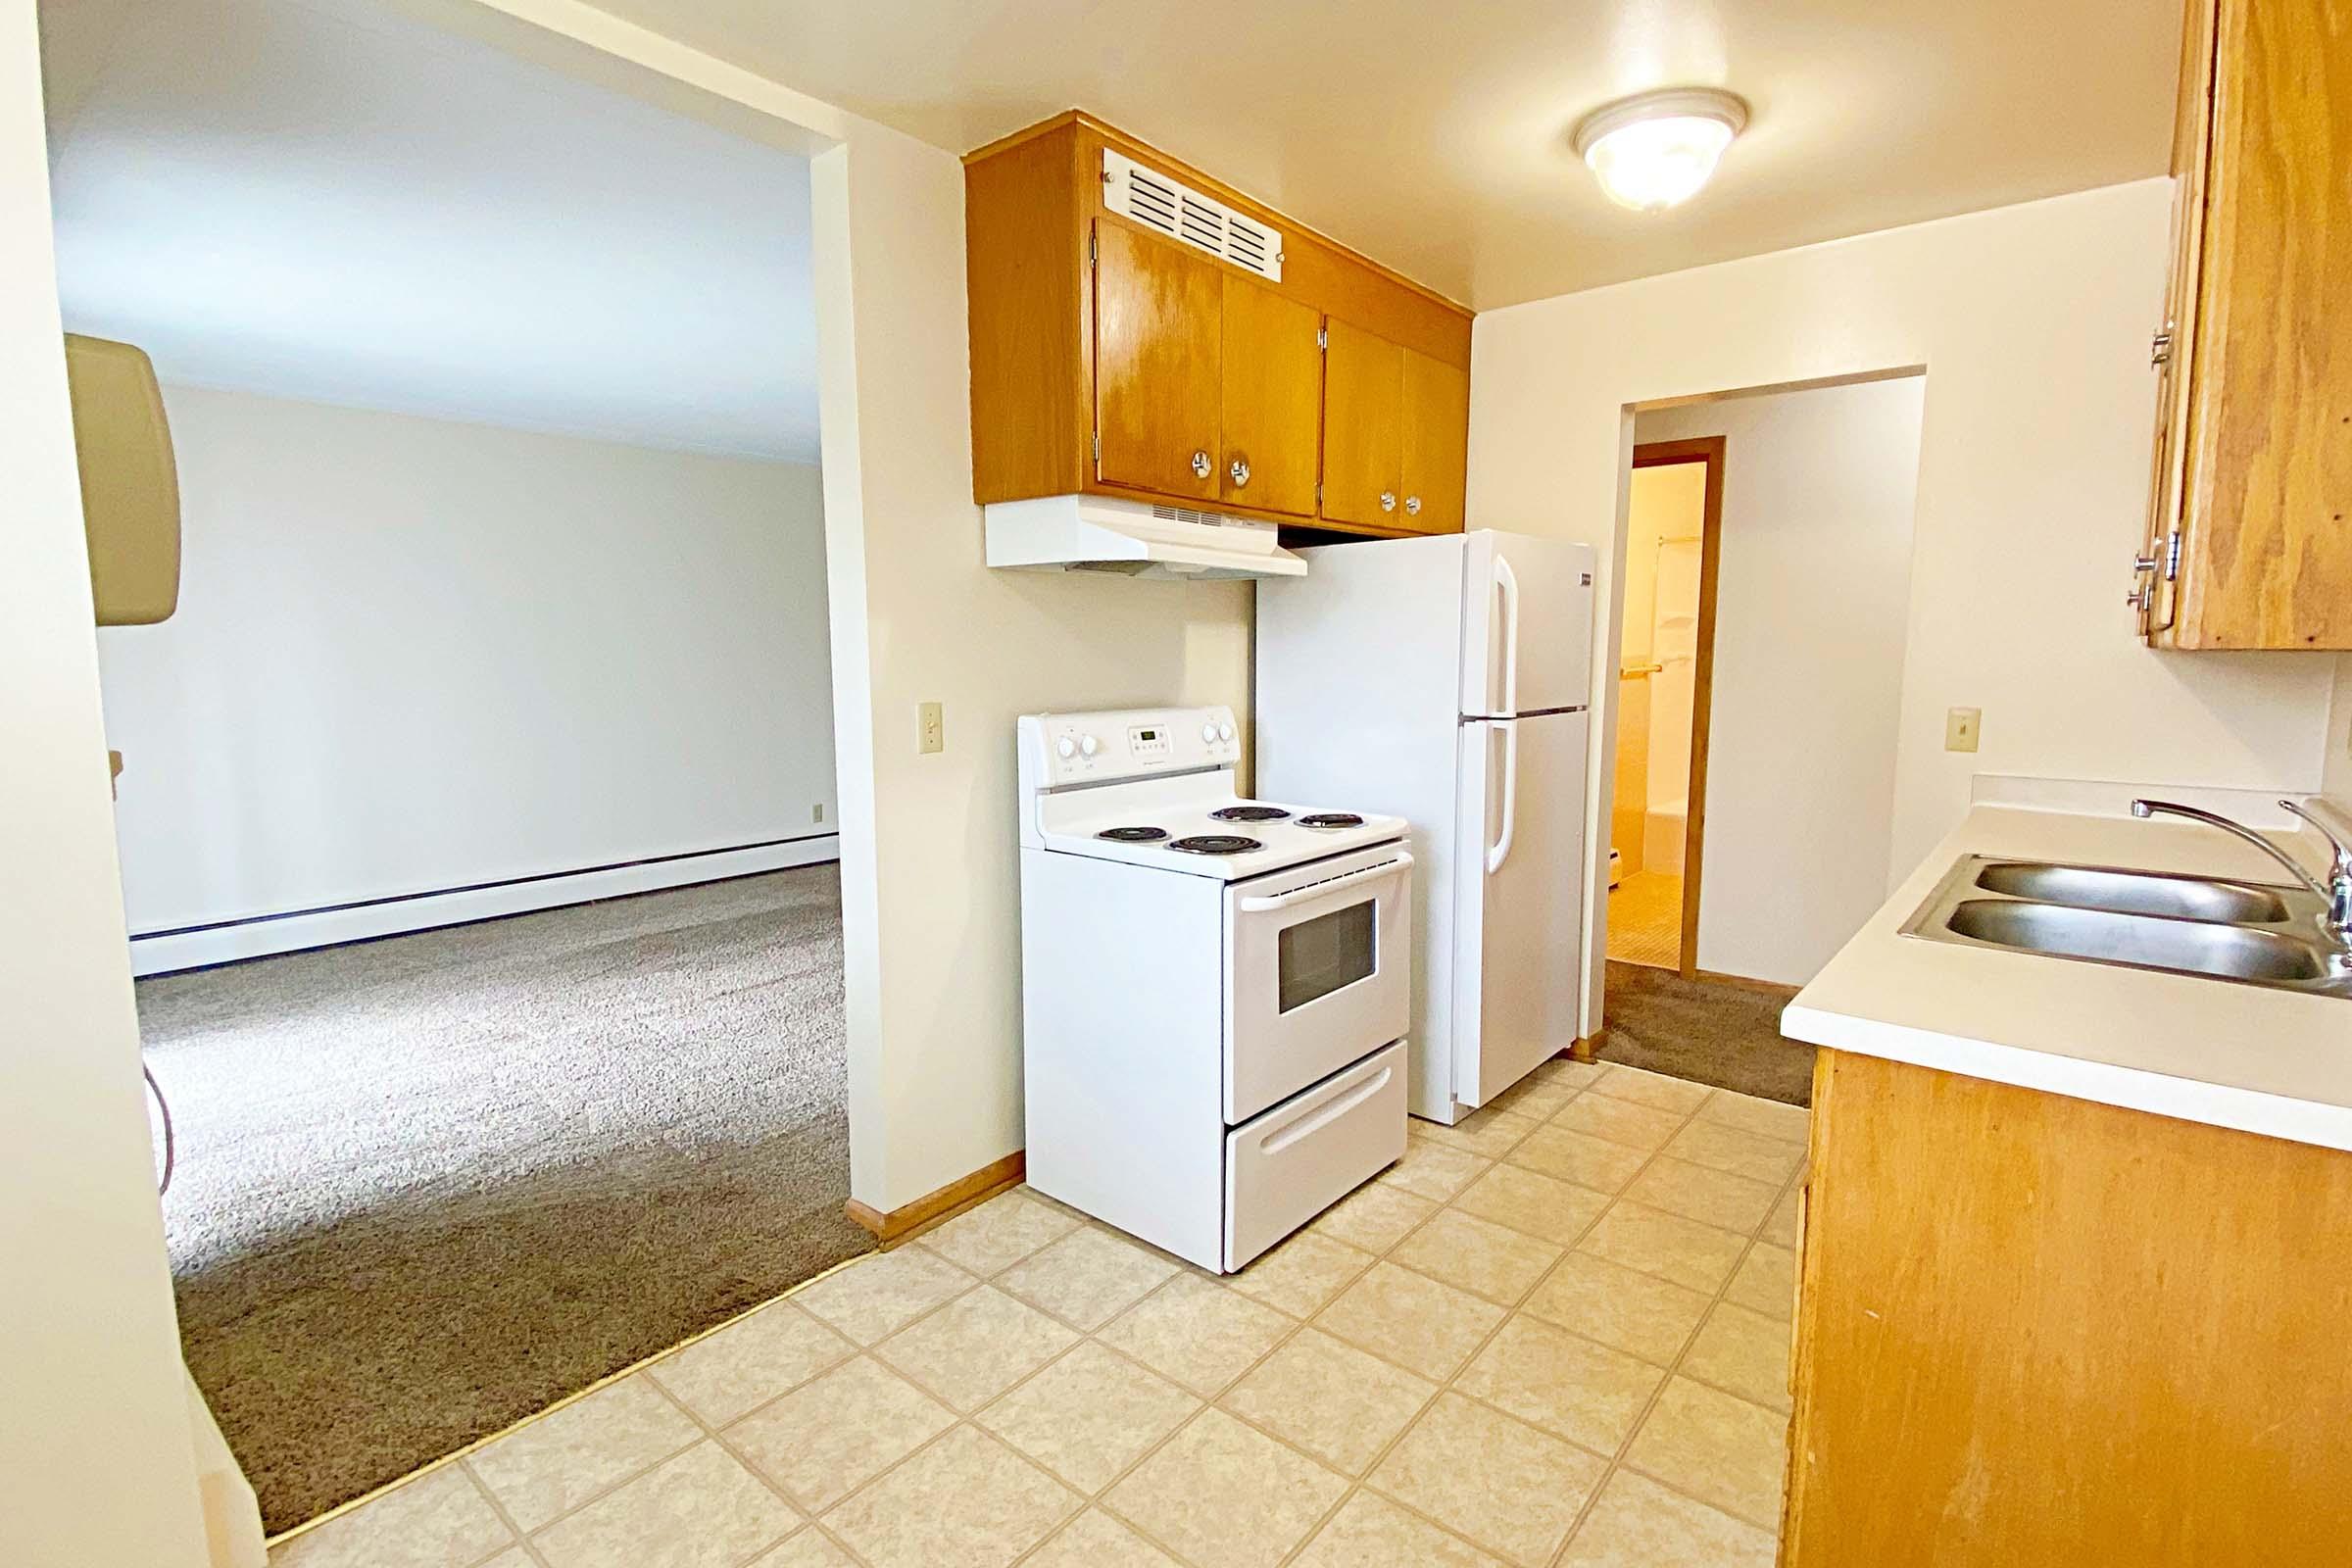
x=129, y=482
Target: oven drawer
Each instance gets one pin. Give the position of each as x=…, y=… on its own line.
x=1294, y=1162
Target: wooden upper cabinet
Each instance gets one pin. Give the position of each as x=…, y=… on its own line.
x=1437, y=443
x=1363, y=428
x=2249, y=543
x=1159, y=386
x=1113, y=358
x=1273, y=420
x=1396, y=435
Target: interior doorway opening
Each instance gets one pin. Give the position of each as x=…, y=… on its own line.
x=1766, y=578
x=1664, y=673
x=478, y=802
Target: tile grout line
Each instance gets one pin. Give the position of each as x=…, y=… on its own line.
x=1722, y=1295
x=499, y=1508
x=964, y=1419
x=807, y=1520
x=1619, y=1461
x=1608, y=1464
x=1294, y=1327
x=468, y=1450
x=590, y=1501
x=1211, y=1401
x=1449, y=1384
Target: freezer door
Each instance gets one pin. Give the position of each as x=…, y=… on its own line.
x=1518, y=899
x=1527, y=624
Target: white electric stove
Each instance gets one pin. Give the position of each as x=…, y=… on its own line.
x=1214, y=989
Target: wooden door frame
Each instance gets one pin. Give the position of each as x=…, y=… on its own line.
x=1709, y=449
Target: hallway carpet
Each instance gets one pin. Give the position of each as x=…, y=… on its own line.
x=1708, y=1031
x=429, y=1184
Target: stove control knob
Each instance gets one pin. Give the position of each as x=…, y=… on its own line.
x=1089, y=744
x=1066, y=746
x=1208, y=734
x=1225, y=732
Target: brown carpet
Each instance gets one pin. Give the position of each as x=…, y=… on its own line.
x=431, y=1184
x=1708, y=1031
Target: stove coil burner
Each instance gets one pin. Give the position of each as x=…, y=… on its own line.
x=1133, y=835
x=1250, y=814
x=1331, y=820
x=1215, y=844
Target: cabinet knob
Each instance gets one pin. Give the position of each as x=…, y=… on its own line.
x=1201, y=464
x=1239, y=471
x=1412, y=506
x=1388, y=501
x=2141, y=597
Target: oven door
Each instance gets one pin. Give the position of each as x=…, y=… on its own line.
x=1318, y=960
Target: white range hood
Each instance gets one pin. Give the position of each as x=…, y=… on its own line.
x=1132, y=538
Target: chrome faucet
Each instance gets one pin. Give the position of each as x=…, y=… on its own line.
x=2336, y=891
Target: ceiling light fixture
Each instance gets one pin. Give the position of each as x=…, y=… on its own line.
x=1654, y=150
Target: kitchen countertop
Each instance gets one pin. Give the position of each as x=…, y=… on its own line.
x=2275, y=1063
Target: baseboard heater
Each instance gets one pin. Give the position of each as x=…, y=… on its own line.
x=196, y=946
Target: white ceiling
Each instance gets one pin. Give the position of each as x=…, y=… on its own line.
x=320, y=199
x=1435, y=137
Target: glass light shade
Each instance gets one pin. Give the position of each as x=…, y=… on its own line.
x=1657, y=151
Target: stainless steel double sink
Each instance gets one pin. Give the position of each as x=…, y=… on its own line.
x=2252, y=933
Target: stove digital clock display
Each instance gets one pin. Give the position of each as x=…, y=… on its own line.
x=1147, y=741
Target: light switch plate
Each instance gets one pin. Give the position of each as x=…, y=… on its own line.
x=931, y=729
x=1960, y=725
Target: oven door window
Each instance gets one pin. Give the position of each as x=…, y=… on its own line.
x=1318, y=956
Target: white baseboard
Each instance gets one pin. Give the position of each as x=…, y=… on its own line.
x=165, y=952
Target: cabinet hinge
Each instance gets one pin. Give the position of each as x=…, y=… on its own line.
x=1318, y=498
x=1098, y=449
x=2171, y=556
x=1090, y=250
x=1323, y=338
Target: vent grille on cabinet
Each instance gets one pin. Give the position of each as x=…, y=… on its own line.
x=1158, y=202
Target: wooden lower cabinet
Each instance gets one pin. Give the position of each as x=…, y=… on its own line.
x=2034, y=1330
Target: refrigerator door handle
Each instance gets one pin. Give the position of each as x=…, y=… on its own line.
x=1508, y=581
x=1501, y=850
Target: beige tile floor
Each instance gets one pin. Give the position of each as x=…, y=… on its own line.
x=1557, y=1334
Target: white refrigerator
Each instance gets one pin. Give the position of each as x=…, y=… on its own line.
x=1447, y=680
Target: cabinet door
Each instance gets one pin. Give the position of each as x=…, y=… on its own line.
x=1363, y=430
x=1157, y=389
x=1437, y=443
x=1273, y=422
x=2155, y=585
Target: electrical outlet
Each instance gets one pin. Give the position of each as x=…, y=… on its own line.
x=931, y=729
x=1960, y=727
x=816, y=813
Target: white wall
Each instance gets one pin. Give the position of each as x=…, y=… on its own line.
x=2031, y=322
x=939, y=1093
x=412, y=655
x=930, y=888
x=1812, y=601
x=2336, y=768
x=95, y=1443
